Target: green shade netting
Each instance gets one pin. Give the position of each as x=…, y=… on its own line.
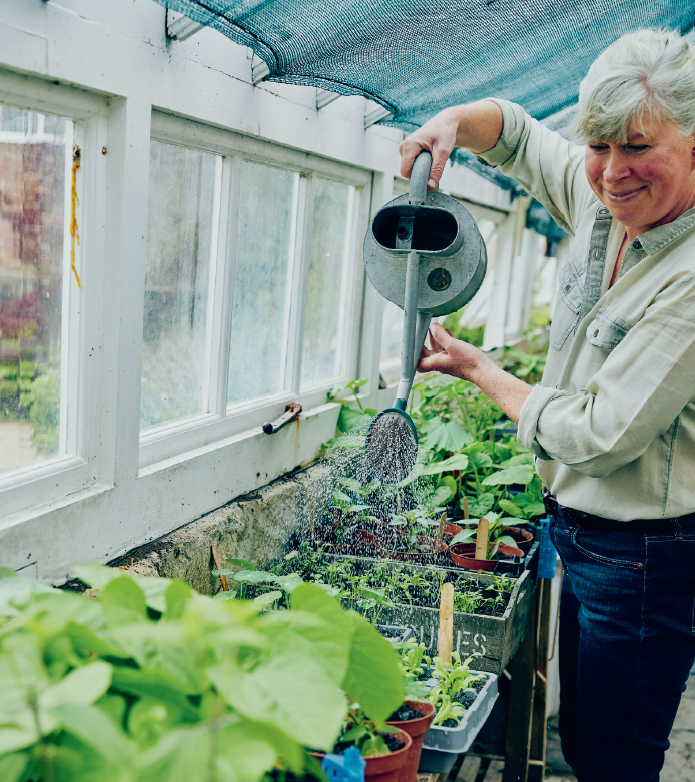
x=416, y=57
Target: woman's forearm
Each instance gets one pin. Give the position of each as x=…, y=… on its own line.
x=475, y=126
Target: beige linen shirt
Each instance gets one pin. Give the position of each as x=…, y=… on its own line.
x=612, y=423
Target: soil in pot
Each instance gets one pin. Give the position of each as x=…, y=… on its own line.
x=463, y=555
x=415, y=719
x=382, y=768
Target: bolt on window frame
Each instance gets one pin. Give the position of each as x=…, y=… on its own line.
x=220, y=420
x=75, y=467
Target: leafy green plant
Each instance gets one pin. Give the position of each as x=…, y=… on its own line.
x=359, y=730
x=450, y=681
x=496, y=534
x=153, y=682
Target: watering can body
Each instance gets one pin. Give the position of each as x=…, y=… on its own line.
x=453, y=259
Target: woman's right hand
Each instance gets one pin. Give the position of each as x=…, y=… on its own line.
x=476, y=126
x=437, y=136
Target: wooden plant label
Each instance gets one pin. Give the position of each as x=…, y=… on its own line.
x=446, y=623
x=481, y=539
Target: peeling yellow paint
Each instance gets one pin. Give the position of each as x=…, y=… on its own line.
x=74, y=201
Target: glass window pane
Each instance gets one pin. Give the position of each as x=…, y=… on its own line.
x=325, y=312
x=32, y=203
x=262, y=281
x=180, y=225
x=391, y=333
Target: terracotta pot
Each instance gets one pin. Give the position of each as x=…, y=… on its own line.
x=385, y=768
x=451, y=530
x=416, y=729
x=463, y=555
x=523, y=538
x=416, y=556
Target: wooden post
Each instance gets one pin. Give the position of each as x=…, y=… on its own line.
x=446, y=623
x=481, y=539
x=522, y=669
x=539, y=724
x=440, y=532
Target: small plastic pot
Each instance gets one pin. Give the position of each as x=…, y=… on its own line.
x=523, y=537
x=428, y=556
x=385, y=768
x=416, y=729
x=463, y=555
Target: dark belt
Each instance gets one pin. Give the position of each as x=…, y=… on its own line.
x=588, y=520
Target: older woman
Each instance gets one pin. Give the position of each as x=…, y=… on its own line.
x=612, y=424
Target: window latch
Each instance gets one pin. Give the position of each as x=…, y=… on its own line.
x=291, y=413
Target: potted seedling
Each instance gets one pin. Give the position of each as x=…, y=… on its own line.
x=385, y=750
x=463, y=700
x=495, y=546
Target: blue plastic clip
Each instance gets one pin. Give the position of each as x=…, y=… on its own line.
x=547, y=555
x=344, y=768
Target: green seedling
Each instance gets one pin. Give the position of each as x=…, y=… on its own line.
x=362, y=732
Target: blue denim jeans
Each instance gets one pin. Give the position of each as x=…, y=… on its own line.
x=627, y=644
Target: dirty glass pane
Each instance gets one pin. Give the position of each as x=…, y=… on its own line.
x=180, y=221
x=32, y=202
x=328, y=267
x=262, y=280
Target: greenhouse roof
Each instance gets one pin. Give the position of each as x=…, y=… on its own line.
x=415, y=57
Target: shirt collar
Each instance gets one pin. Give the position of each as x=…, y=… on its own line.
x=654, y=240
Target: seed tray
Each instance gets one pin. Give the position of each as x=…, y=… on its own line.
x=496, y=637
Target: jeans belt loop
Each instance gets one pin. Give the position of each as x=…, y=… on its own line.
x=678, y=529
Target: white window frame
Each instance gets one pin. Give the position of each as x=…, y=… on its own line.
x=220, y=421
x=81, y=323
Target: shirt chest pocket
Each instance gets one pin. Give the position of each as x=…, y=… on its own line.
x=567, y=307
x=605, y=331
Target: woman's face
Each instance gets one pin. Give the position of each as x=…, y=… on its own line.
x=647, y=182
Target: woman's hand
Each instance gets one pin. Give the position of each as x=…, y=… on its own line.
x=452, y=356
x=455, y=357
x=437, y=136
x=476, y=126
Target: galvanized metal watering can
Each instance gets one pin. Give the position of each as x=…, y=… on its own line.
x=423, y=251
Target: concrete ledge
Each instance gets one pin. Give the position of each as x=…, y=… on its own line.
x=255, y=527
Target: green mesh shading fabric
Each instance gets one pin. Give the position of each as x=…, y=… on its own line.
x=416, y=57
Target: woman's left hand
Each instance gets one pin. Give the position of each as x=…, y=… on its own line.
x=451, y=356
x=455, y=357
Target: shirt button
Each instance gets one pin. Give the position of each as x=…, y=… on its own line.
x=596, y=333
x=567, y=288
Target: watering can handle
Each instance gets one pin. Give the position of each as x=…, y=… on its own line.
x=419, y=177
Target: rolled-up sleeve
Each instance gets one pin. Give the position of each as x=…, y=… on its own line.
x=635, y=397
x=549, y=167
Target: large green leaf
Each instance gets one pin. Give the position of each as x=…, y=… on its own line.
x=82, y=686
x=292, y=692
x=481, y=505
x=329, y=637
x=440, y=435
x=123, y=601
x=373, y=677
x=255, y=577
x=457, y=462
x=521, y=474
x=349, y=419
x=12, y=766
x=16, y=591
x=95, y=728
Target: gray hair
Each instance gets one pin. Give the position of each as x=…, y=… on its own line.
x=647, y=74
